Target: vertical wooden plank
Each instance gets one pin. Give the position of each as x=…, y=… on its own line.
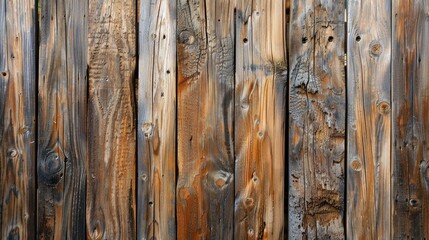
x=17, y=119
x=410, y=119
x=61, y=120
x=369, y=119
x=110, y=212
x=317, y=120
x=260, y=115
x=205, y=187
x=156, y=130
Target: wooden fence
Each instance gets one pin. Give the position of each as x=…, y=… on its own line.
x=214, y=119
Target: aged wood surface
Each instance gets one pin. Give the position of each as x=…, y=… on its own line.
x=17, y=119
x=317, y=120
x=369, y=121
x=205, y=187
x=260, y=115
x=61, y=120
x=156, y=130
x=110, y=207
x=410, y=119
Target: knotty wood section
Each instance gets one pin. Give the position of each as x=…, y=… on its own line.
x=410, y=119
x=317, y=120
x=61, y=120
x=17, y=119
x=260, y=115
x=110, y=209
x=156, y=132
x=369, y=119
x=205, y=187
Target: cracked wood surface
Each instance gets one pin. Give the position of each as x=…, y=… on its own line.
x=17, y=119
x=316, y=120
x=260, y=115
x=410, y=120
x=156, y=130
x=205, y=184
x=369, y=122
x=111, y=174
x=61, y=136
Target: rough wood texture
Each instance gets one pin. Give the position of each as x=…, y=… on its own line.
x=410, y=119
x=205, y=187
x=61, y=120
x=156, y=214
x=369, y=121
x=317, y=120
x=260, y=115
x=17, y=119
x=110, y=212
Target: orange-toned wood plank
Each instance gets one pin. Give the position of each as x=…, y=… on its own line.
x=111, y=184
x=205, y=187
x=260, y=116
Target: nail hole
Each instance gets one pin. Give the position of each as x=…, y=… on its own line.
x=4, y=74
x=163, y=36
x=168, y=71
x=304, y=39
x=245, y=40
x=330, y=39
x=358, y=38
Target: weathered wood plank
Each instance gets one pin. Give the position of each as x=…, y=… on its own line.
x=410, y=119
x=369, y=120
x=61, y=120
x=17, y=119
x=205, y=187
x=156, y=132
x=110, y=211
x=317, y=120
x=260, y=115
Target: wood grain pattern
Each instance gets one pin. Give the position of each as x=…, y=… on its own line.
x=260, y=115
x=110, y=211
x=410, y=119
x=61, y=120
x=205, y=187
x=156, y=131
x=369, y=128
x=317, y=120
x=17, y=119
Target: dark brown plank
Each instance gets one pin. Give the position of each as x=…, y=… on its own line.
x=410, y=119
x=61, y=120
x=317, y=120
x=369, y=120
x=17, y=119
x=205, y=187
x=156, y=132
x=110, y=211
x=260, y=116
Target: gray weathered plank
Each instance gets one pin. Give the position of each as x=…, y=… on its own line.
x=410, y=119
x=17, y=119
x=260, y=116
x=205, y=187
x=317, y=120
x=110, y=211
x=369, y=119
x=156, y=132
x=61, y=139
